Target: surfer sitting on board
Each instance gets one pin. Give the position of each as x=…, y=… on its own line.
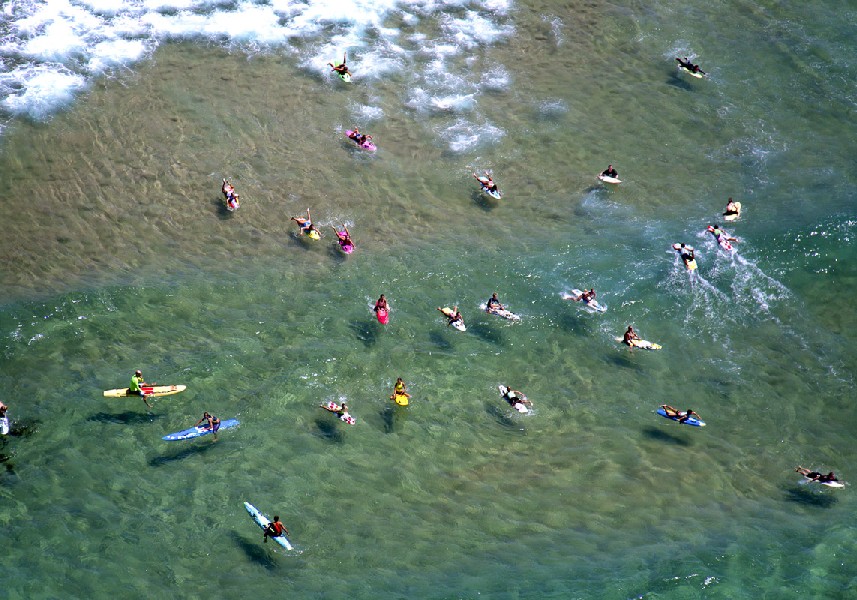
x=453, y=315
x=690, y=66
x=816, y=476
x=305, y=224
x=493, y=304
x=399, y=389
x=486, y=181
x=610, y=172
x=341, y=68
x=274, y=529
x=731, y=208
x=630, y=336
x=136, y=388
x=676, y=414
x=212, y=423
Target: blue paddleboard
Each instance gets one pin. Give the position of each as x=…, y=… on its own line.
x=691, y=421
x=195, y=432
x=262, y=521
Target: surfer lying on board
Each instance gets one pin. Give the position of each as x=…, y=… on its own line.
x=361, y=138
x=585, y=296
x=685, y=252
x=274, y=529
x=453, y=316
x=630, y=336
x=341, y=69
x=690, y=66
x=731, y=208
x=305, y=224
x=816, y=476
x=493, y=304
x=681, y=416
x=610, y=172
x=486, y=181
x=339, y=411
x=136, y=387
x=343, y=236
x=514, y=397
x=719, y=233
x=230, y=195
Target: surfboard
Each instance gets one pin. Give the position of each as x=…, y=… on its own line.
x=195, y=432
x=591, y=306
x=519, y=406
x=400, y=399
x=733, y=216
x=644, y=344
x=459, y=324
x=382, y=315
x=158, y=390
x=313, y=234
x=4, y=426
x=689, y=421
x=262, y=521
x=607, y=179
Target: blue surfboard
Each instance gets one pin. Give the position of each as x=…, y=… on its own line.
x=195, y=432
x=691, y=421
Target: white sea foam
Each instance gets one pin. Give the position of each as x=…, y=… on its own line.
x=55, y=48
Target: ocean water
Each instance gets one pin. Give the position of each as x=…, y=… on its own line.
x=121, y=119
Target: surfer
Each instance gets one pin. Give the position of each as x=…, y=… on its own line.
x=453, y=316
x=136, y=388
x=493, y=304
x=341, y=69
x=630, y=336
x=212, y=423
x=361, y=139
x=274, y=529
x=610, y=172
x=340, y=411
x=676, y=414
x=686, y=64
x=731, y=208
x=514, y=397
x=685, y=252
x=381, y=304
x=3, y=409
x=585, y=296
x=306, y=225
x=816, y=476
x=487, y=182
x=719, y=233
x=400, y=390
x=230, y=195
x=343, y=236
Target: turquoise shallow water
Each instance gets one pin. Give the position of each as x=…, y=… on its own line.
x=117, y=256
